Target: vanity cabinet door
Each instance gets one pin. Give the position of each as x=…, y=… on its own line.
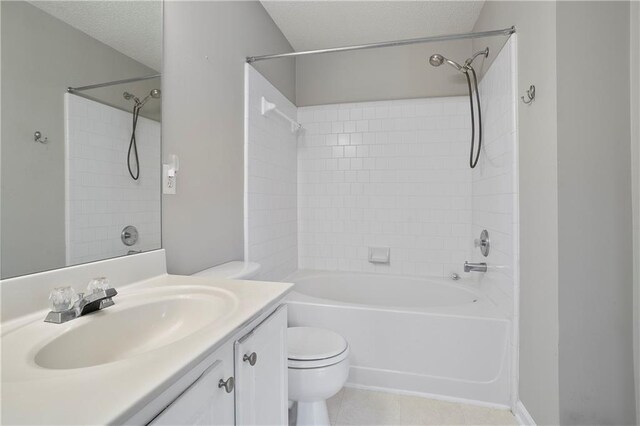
x=261, y=373
x=207, y=401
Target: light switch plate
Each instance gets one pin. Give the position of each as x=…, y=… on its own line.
x=168, y=182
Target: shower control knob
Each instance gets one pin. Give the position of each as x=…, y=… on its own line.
x=129, y=235
x=483, y=243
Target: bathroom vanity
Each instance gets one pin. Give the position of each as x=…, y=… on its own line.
x=171, y=350
x=245, y=379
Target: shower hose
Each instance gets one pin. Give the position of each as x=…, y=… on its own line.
x=133, y=146
x=473, y=162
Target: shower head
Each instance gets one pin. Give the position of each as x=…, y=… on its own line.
x=437, y=59
x=484, y=53
x=472, y=80
x=155, y=94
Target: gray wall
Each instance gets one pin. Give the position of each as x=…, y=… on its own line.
x=635, y=182
x=203, y=82
x=537, y=132
x=595, y=223
x=576, y=298
x=380, y=74
x=41, y=57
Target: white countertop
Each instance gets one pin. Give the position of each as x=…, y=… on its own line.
x=113, y=392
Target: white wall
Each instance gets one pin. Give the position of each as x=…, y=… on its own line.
x=271, y=225
x=101, y=197
x=594, y=187
x=203, y=122
x=379, y=74
x=392, y=174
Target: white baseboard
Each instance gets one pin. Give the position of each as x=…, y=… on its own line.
x=522, y=415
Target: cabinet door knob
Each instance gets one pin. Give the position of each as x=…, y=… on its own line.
x=253, y=358
x=228, y=384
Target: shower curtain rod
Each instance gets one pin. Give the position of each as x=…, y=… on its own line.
x=111, y=83
x=505, y=32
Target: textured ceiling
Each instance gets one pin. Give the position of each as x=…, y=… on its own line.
x=321, y=24
x=131, y=27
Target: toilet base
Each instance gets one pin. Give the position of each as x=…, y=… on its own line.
x=312, y=414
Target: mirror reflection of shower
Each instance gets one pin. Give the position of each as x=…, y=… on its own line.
x=133, y=146
x=467, y=69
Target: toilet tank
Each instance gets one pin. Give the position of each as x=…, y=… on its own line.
x=235, y=270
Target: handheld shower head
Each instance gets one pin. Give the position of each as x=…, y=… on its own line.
x=437, y=59
x=155, y=94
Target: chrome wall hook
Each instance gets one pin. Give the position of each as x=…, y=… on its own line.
x=531, y=95
x=37, y=137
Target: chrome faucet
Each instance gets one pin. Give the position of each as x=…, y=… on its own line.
x=97, y=300
x=475, y=267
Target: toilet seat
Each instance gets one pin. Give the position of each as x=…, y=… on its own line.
x=310, y=347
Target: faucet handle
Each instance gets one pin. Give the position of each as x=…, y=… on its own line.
x=483, y=243
x=62, y=299
x=98, y=284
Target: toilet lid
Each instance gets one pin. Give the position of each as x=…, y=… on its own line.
x=311, y=344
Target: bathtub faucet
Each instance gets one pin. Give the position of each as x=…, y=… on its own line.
x=475, y=267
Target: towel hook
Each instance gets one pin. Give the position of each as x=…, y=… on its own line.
x=37, y=137
x=531, y=95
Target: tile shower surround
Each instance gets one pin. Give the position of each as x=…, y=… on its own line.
x=101, y=196
x=270, y=181
x=495, y=192
x=392, y=174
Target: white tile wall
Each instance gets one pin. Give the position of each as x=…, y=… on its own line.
x=101, y=197
x=386, y=174
x=495, y=190
x=391, y=173
x=270, y=181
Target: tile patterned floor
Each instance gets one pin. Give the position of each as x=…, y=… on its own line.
x=359, y=407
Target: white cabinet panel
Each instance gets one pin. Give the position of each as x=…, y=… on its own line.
x=207, y=401
x=257, y=365
x=261, y=388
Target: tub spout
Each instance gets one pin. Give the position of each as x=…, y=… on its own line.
x=475, y=267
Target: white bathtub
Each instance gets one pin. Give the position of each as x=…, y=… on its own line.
x=433, y=337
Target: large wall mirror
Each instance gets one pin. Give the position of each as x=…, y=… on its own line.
x=80, y=167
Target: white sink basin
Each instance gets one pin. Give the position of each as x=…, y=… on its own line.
x=138, y=323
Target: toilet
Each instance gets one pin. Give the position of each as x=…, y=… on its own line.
x=318, y=362
x=234, y=270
